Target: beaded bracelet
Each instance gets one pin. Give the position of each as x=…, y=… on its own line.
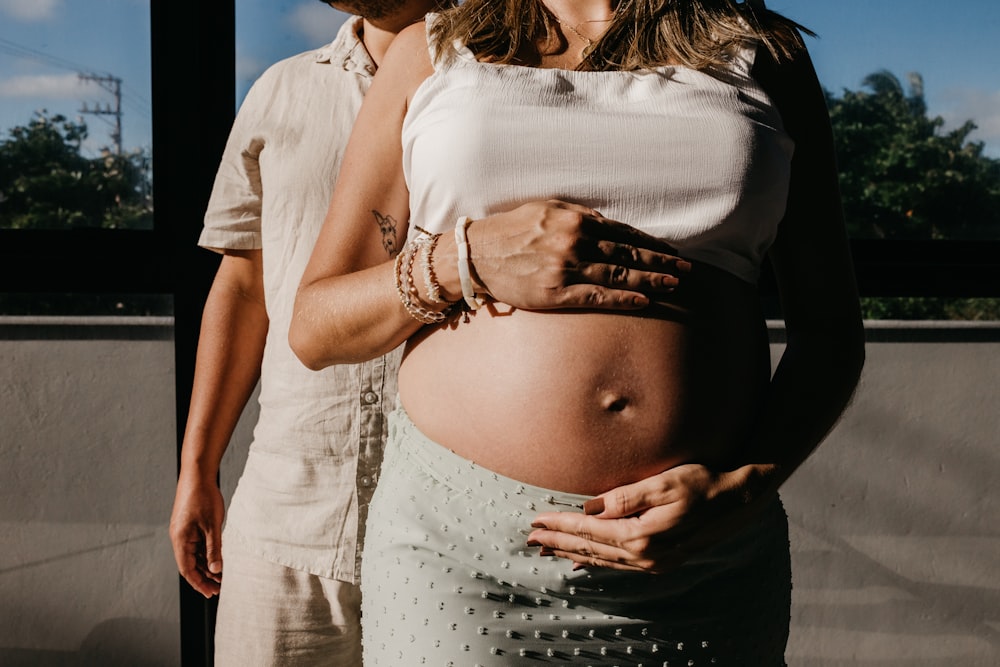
x=427, y=245
x=406, y=289
x=465, y=264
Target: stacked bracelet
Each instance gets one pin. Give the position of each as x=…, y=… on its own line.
x=407, y=289
x=465, y=264
x=427, y=245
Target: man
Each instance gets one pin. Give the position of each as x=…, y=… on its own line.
x=294, y=530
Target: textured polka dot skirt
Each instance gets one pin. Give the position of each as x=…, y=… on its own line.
x=447, y=580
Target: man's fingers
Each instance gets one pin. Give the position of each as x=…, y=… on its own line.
x=213, y=554
x=193, y=569
x=191, y=551
x=205, y=586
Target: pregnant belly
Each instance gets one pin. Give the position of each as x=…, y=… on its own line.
x=583, y=402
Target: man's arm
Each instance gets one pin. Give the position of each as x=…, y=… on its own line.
x=230, y=349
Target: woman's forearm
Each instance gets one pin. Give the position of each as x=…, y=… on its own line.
x=542, y=255
x=349, y=318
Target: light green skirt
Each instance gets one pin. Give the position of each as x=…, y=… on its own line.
x=448, y=580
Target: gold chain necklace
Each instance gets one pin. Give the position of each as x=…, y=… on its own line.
x=573, y=28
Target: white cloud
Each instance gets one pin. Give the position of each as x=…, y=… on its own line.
x=249, y=68
x=981, y=107
x=31, y=10
x=47, y=86
x=316, y=22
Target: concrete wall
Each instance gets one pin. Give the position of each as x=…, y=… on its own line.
x=895, y=520
x=87, y=469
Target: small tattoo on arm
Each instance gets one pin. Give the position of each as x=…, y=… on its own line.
x=387, y=226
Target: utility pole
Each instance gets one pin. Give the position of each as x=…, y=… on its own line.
x=113, y=85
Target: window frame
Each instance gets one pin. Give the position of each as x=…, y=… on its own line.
x=193, y=76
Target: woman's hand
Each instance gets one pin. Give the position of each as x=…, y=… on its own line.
x=554, y=254
x=656, y=524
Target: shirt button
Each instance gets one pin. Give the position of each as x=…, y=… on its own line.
x=370, y=397
x=366, y=481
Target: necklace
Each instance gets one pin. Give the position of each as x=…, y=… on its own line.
x=573, y=28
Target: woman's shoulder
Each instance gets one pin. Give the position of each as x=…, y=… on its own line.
x=407, y=61
x=411, y=42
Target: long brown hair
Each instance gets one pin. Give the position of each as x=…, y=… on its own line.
x=642, y=34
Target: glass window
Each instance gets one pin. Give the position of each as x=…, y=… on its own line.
x=75, y=115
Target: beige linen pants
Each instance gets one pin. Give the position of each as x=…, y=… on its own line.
x=270, y=614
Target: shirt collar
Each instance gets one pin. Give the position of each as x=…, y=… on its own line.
x=347, y=51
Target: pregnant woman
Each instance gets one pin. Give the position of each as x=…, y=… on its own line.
x=561, y=208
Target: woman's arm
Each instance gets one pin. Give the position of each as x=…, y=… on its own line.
x=346, y=308
x=657, y=523
x=822, y=361
x=541, y=255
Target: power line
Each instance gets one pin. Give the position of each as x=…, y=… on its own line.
x=105, y=80
x=28, y=53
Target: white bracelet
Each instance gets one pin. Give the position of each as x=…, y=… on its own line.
x=464, y=264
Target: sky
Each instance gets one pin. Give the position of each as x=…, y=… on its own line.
x=45, y=44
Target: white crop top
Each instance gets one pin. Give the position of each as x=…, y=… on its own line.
x=698, y=159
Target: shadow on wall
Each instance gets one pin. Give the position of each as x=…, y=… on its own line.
x=116, y=642
x=895, y=520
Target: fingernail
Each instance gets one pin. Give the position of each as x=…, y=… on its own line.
x=578, y=566
x=533, y=543
x=593, y=506
x=539, y=524
x=683, y=265
x=546, y=551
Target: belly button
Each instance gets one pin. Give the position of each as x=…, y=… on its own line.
x=615, y=403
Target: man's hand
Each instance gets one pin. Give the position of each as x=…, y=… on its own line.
x=196, y=533
x=657, y=523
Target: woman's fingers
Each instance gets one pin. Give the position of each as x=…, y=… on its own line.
x=620, y=253
x=622, y=277
x=556, y=254
x=589, y=295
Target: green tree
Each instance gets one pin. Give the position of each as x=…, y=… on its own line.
x=46, y=183
x=901, y=175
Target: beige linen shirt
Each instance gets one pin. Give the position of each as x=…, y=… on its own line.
x=303, y=496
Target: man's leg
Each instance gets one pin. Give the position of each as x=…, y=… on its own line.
x=270, y=614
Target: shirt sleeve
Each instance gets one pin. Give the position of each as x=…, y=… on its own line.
x=232, y=219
